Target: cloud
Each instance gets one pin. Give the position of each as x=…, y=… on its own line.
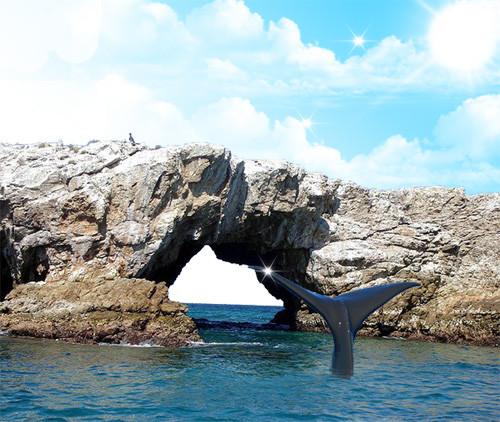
x=77, y=112
x=30, y=30
x=397, y=162
x=194, y=85
x=224, y=69
x=473, y=129
x=225, y=22
x=142, y=31
x=146, y=40
x=234, y=122
x=468, y=137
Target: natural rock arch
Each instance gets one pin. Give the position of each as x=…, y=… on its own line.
x=123, y=214
x=294, y=261
x=112, y=214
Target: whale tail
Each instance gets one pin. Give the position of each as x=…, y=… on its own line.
x=343, y=314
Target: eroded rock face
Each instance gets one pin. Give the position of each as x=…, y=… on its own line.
x=111, y=212
x=445, y=240
x=130, y=311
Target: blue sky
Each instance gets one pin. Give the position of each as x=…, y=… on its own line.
x=418, y=104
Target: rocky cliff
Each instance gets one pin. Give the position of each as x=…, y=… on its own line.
x=104, y=229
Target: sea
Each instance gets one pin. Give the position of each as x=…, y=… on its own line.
x=246, y=373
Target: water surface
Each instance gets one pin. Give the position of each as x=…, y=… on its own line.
x=247, y=375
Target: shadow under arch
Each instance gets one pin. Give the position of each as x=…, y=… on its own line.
x=6, y=280
x=293, y=263
x=7, y=269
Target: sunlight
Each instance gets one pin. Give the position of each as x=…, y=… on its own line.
x=206, y=279
x=462, y=36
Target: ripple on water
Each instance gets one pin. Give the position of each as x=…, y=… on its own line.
x=248, y=376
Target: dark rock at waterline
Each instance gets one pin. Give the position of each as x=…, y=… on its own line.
x=112, y=211
x=236, y=326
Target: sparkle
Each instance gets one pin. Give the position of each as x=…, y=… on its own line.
x=268, y=271
x=358, y=40
x=307, y=123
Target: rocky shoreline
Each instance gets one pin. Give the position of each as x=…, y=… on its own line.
x=91, y=237
x=125, y=311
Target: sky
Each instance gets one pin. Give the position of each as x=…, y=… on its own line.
x=385, y=93
x=206, y=279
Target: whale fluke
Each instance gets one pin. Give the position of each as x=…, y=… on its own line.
x=343, y=314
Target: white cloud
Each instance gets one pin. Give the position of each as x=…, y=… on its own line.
x=285, y=40
x=234, y=122
x=146, y=40
x=79, y=111
x=391, y=64
x=76, y=112
x=224, y=69
x=473, y=129
x=205, y=279
x=395, y=163
x=31, y=29
x=225, y=22
x=142, y=31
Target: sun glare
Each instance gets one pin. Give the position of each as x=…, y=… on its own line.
x=462, y=36
x=358, y=41
x=307, y=123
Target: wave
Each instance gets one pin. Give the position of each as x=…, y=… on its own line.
x=216, y=343
x=144, y=344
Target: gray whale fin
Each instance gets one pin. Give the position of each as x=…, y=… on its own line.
x=361, y=303
x=343, y=314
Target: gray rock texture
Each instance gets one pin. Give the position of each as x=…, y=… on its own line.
x=442, y=238
x=80, y=218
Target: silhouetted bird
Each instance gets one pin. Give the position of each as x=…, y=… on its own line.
x=131, y=139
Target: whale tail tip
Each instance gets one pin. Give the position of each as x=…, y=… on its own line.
x=343, y=314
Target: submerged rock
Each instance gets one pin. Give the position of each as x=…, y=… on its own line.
x=101, y=224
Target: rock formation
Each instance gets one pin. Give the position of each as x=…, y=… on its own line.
x=129, y=311
x=442, y=238
x=96, y=227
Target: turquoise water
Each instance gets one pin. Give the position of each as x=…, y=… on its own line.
x=247, y=375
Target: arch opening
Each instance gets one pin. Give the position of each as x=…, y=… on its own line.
x=168, y=262
x=225, y=296
x=206, y=279
x=35, y=264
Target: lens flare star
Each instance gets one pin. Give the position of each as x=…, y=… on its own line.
x=307, y=123
x=358, y=40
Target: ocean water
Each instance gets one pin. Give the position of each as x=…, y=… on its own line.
x=247, y=375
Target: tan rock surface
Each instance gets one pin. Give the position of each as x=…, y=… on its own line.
x=123, y=311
